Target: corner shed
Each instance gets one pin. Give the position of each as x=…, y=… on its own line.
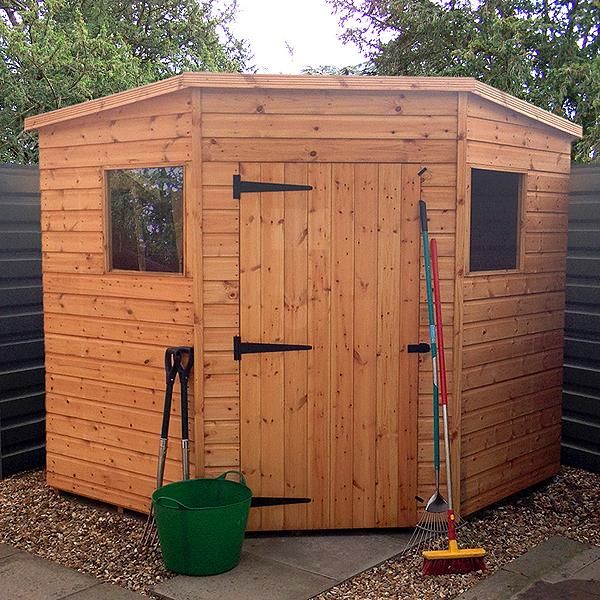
x=145, y=247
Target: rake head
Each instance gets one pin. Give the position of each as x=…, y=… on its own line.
x=432, y=525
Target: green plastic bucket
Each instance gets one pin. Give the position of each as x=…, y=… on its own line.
x=201, y=523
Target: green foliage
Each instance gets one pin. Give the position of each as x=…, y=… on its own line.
x=333, y=70
x=59, y=52
x=544, y=51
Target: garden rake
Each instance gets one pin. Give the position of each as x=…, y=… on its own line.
x=433, y=522
x=174, y=366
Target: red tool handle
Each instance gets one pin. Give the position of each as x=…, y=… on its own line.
x=438, y=321
x=451, y=525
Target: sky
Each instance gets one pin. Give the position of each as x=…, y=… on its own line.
x=306, y=26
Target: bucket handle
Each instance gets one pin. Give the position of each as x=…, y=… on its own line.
x=171, y=503
x=240, y=475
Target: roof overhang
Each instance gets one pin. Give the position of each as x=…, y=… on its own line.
x=304, y=82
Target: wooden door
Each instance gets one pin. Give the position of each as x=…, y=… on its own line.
x=336, y=267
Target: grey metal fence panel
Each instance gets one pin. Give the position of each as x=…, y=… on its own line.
x=22, y=418
x=581, y=388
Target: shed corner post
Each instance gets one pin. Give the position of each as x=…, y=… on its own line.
x=195, y=231
x=462, y=221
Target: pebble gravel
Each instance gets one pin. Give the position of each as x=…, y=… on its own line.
x=99, y=541
x=566, y=505
x=89, y=537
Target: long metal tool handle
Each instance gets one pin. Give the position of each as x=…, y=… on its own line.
x=184, y=372
x=432, y=342
x=442, y=365
x=172, y=366
x=171, y=360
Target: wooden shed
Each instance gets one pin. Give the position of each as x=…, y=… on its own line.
x=153, y=237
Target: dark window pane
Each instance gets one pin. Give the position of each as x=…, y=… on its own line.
x=146, y=219
x=494, y=220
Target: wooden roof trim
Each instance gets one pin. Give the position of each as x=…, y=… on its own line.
x=529, y=110
x=298, y=82
x=91, y=107
x=328, y=82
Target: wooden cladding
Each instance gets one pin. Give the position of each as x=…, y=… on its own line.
x=335, y=423
x=326, y=150
x=513, y=322
x=348, y=423
x=105, y=332
x=329, y=127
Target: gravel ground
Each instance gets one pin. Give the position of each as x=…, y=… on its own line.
x=89, y=537
x=103, y=543
x=566, y=505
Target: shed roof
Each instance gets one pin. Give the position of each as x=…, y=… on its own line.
x=304, y=82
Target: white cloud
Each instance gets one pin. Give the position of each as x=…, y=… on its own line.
x=286, y=36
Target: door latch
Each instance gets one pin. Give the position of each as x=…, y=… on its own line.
x=421, y=348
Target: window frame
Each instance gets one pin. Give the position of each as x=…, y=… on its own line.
x=107, y=228
x=523, y=174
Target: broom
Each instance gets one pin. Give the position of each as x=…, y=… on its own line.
x=453, y=559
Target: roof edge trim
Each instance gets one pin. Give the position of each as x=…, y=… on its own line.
x=527, y=109
x=307, y=82
x=90, y=107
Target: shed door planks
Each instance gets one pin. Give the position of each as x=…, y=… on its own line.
x=336, y=268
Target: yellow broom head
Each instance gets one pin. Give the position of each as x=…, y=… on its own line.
x=453, y=559
x=453, y=551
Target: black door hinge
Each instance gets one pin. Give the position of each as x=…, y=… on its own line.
x=240, y=347
x=246, y=187
x=258, y=501
x=418, y=348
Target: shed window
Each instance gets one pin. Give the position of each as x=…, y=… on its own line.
x=146, y=219
x=495, y=208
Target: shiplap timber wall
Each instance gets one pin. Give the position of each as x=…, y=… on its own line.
x=21, y=322
x=106, y=331
x=312, y=126
x=581, y=389
x=512, y=322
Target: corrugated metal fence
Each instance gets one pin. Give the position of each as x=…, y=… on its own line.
x=22, y=419
x=581, y=393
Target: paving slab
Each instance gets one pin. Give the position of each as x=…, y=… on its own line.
x=557, y=569
x=571, y=589
x=502, y=585
x=255, y=578
x=590, y=572
x=7, y=550
x=585, y=565
x=337, y=556
x=26, y=577
x=546, y=557
x=105, y=591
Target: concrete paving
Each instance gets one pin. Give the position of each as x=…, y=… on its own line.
x=335, y=556
x=27, y=577
x=299, y=567
x=557, y=569
x=288, y=567
x=7, y=550
x=254, y=578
